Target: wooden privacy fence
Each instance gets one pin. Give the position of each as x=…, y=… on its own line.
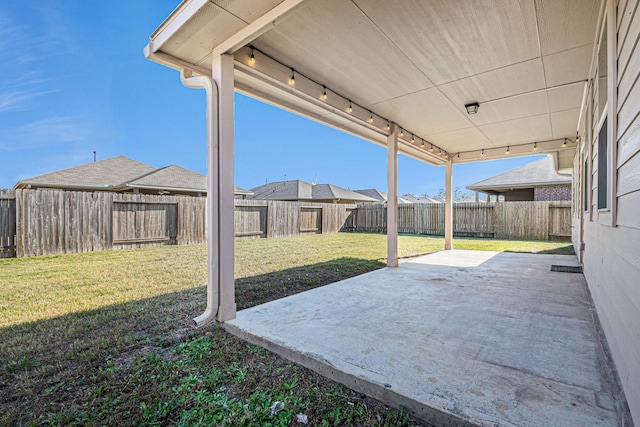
x=503, y=220
x=270, y=218
x=46, y=222
x=7, y=227
x=57, y=222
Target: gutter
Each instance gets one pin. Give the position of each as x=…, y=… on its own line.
x=213, y=232
x=28, y=185
x=173, y=189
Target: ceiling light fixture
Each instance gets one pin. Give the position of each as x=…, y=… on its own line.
x=564, y=143
x=292, y=80
x=431, y=148
x=472, y=108
x=401, y=133
x=388, y=127
x=370, y=120
x=535, y=146
x=252, y=58
x=482, y=153
x=324, y=93
x=422, y=145
x=507, y=149
x=350, y=108
x=413, y=139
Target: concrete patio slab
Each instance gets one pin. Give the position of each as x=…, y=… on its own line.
x=457, y=337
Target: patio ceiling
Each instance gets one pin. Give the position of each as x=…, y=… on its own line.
x=415, y=63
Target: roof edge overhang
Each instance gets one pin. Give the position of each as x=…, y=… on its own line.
x=25, y=184
x=515, y=186
x=268, y=82
x=161, y=188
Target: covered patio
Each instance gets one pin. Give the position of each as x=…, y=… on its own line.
x=456, y=337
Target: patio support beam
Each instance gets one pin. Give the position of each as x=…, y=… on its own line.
x=222, y=71
x=448, y=207
x=392, y=196
x=257, y=27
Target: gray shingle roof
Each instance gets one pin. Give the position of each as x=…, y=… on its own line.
x=171, y=177
x=284, y=190
x=380, y=196
x=540, y=172
x=412, y=198
x=302, y=190
x=121, y=173
x=103, y=174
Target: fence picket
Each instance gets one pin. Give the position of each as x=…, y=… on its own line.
x=39, y=222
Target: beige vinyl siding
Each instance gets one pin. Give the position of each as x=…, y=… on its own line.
x=612, y=254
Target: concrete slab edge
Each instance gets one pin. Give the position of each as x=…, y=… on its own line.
x=431, y=415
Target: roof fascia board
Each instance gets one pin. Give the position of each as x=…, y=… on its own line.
x=163, y=188
x=256, y=28
x=512, y=186
x=25, y=184
x=174, y=22
x=173, y=62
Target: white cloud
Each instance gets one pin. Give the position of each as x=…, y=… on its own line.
x=45, y=132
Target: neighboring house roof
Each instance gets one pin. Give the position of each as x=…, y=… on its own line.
x=121, y=174
x=170, y=178
x=301, y=190
x=239, y=191
x=412, y=198
x=102, y=175
x=466, y=199
x=534, y=174
x=380, y=196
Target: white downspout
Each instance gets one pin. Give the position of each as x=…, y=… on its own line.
x=213, y=292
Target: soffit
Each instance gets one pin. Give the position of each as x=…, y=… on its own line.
x=417, y=63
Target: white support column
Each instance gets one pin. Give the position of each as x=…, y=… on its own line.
x=392, y=197
x=222, y=71
x=448, y=207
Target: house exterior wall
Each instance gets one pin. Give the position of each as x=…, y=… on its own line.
x=545, y=193
x=611, y=235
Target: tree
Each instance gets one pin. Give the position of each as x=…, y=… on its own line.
x=458, y=194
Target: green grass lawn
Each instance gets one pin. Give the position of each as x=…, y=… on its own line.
x=106, y=337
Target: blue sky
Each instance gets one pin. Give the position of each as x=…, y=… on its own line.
x=74, y=80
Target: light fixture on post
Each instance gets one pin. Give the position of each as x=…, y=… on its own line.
x=252, y=58
x=292, y=80
x=472, y=108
